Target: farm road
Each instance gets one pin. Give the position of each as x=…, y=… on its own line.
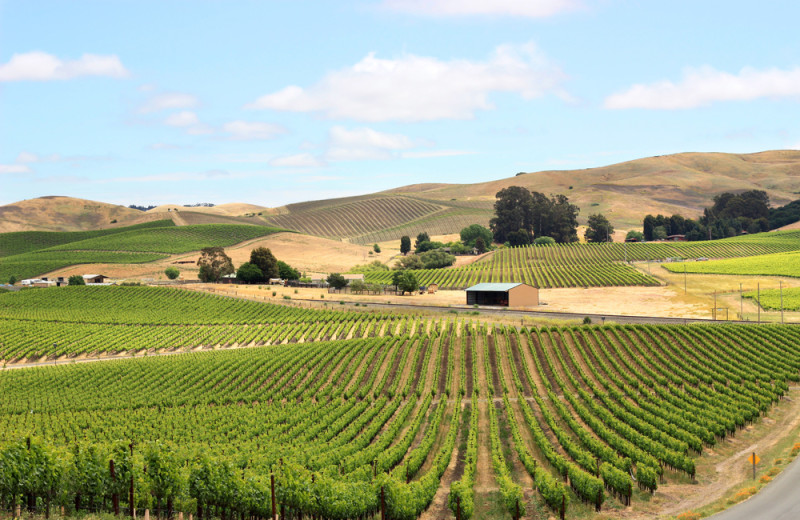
x=777, y=501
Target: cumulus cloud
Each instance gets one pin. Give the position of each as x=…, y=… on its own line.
x=706, y=85
x=364, y=143
x=184, y=118
x=301, y=160
x=14, y=168
x=40, y=66
x=418, y=88
x=169, y=101
x=526, y=8
x=252, y=130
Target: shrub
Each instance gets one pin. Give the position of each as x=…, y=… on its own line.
x=688, y=515
x=12, y=280
x=274, y=293
x=249, y=273
x=544, y=241
x=172, y=272
x=743, y=494
x=795, y=449
x=287, y=297
x=376, y=248
x=765, y=478
x=773, y=471
x=587, y=320
x=76, y=279
x=336, y=280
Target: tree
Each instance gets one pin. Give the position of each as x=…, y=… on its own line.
x=409, y=262
x=287, y=272
x=12, y=280
x=263, y=258
x=428, y=246
x=513, y=212
x=470, y=234
x=544, y=241
x=172, y=272
x=214, y=264
x=659, y=233
x=436, y=259
x=249, y=273
x=358, y=286
x=407, y=282
x=648, y=226
x=599, y=229
x=520, y=237
x=480, y=245
x=422, y=237
x=563, y=220
x=376, y=248
x=76, y=279
x=405, y=244
x=336, y=280
x=634, y=236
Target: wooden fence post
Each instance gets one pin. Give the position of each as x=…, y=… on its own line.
x=383, y=505
x=563, y=506
x=272, y=488
x=115, y=495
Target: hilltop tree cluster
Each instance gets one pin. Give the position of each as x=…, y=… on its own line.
x=522, y=215
x=730, y=215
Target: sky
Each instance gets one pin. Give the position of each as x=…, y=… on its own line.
x=272, y=102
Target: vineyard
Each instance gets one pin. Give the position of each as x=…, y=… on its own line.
x=48, y=251
x=595, y=265
x=779, y=264
x=372, y=219
x=349, y=423
x=770, y=299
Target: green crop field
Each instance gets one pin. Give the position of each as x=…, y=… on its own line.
x=770, y=299
x=171, y=240
x=20, y=242
x=780, y=264
x=345, y=425
x=591, y=265
x=131, y=245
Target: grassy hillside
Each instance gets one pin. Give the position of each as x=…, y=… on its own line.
x=173, y=240
x=67, y=214
x=375, y=218
x=19, y=242
x=136, y=244
x=681, y=183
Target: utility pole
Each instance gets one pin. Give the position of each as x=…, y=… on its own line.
x=714, y=314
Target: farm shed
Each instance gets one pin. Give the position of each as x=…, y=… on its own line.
x=94, y=278
x=503, y=294
x=432, y=288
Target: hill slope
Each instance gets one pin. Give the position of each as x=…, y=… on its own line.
x=625, y=192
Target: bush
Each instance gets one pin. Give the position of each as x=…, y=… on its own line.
x=76, y=279
x=336, y=280
x=544, y=241
x=765, y=479
x=587, y=320
x=689, y=515
x=287, y=297
x=376, y=248
x=249, y=273
x=12, y=280
x=358, y=286
x=172, y=272
x=274, y=293
x=436, y=259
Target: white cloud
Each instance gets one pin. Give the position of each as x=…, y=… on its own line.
x=526, y=8
x=252, y=130
x=364, y=143
x=705, y=85
x=301, y=160
x=418, y=88
x=435, y=153
x=14, y=168
x=167, y=101
x=184, y=118
x=27, y=157
x=40, y=66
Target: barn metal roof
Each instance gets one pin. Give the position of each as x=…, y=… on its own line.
x=494, y=287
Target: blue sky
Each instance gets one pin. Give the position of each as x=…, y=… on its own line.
x=273, y=102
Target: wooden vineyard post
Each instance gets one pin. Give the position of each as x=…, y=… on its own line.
x=383, y=505
x=115, y=494
x=458, y=508
x=563, y=507
x=130, y=489
x=272, y=489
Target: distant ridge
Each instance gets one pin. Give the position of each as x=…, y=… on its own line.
x=682, y=183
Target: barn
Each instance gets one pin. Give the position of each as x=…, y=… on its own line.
x=503, y=294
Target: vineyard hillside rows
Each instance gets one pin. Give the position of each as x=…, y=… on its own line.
x=364, y=412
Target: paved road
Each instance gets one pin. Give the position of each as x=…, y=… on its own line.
x=780, y=500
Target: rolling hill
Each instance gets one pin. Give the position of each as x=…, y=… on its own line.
x=682, y=183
